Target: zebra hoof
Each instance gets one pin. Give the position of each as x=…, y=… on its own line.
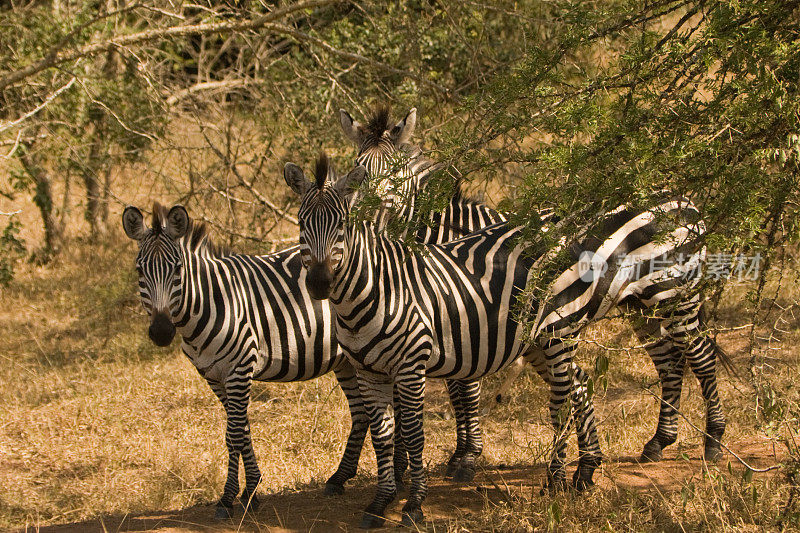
x=553, y=487
x=399, y=485
x=223, y=512
x=652, y=453
x=371, y=521
x=452, y=466
x=249, y=502
x=413, y=518
x=464, y=474
x=712, y=452
x=332, y=489
x=581, y=484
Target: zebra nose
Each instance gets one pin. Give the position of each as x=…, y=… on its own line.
x=161, y=330
x=319, y=279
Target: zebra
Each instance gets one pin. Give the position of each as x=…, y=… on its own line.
x=444, y=311
x=401, y=170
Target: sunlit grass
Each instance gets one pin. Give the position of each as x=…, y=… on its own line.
x=96, y=421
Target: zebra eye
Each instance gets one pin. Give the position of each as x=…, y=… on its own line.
x=139, y=270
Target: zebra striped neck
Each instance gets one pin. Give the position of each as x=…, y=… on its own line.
x=356, y=277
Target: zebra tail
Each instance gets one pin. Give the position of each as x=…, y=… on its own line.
x=722, y=355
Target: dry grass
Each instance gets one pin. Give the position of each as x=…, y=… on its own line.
x=98, y=424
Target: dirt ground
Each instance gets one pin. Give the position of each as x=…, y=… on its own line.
x=308, y=510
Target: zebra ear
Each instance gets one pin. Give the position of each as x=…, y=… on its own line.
x=296, y=179
x=347, y=185
x=403, y=130
x=177, y=222
x=350, y=127
x=133, y=223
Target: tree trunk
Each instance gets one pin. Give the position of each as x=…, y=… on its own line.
x=43, y=198
x=94, y=193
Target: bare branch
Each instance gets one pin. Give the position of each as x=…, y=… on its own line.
x=10, y=124
x=55, y=58
x=208, y=86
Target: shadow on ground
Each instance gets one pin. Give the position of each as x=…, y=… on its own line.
x=309, y=510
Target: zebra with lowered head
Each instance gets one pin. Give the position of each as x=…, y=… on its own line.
x=445, y=311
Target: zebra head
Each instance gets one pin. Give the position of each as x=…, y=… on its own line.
x=159, y=264
x=324, y=209
x=390, y=161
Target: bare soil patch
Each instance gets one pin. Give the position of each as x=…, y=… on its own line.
x=308, y=510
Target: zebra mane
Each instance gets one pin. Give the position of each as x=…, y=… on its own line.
x=322, y=169
x=460, y=196
x=159, y=218
x=197, y=238
x=378, y=123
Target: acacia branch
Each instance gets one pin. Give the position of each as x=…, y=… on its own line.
x=208, y=86
x=10, y=124
x=56, y=58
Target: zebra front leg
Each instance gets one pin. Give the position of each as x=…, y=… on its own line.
x=559, y=377
x=411, y=388
x=589, y=455
x=237, y=439
x=224, y=508
x=470, y=397
x=455, y=390
x=376, y=391
x=252, y=475
x=400, y=452
x=359, y=424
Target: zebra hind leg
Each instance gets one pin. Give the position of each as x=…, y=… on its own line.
x=473, y=447
x=348, y=465
x=589, y=455
x=669, y=363
x=701, y=355
x=685, y=330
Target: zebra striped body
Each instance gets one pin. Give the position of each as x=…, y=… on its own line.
x=444, y=311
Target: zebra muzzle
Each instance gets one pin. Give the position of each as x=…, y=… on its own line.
x=161, y=330
x=319, y=279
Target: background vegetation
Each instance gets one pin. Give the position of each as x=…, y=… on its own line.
x=578, y=106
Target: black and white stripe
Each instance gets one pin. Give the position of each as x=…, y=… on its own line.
x=445, y=311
